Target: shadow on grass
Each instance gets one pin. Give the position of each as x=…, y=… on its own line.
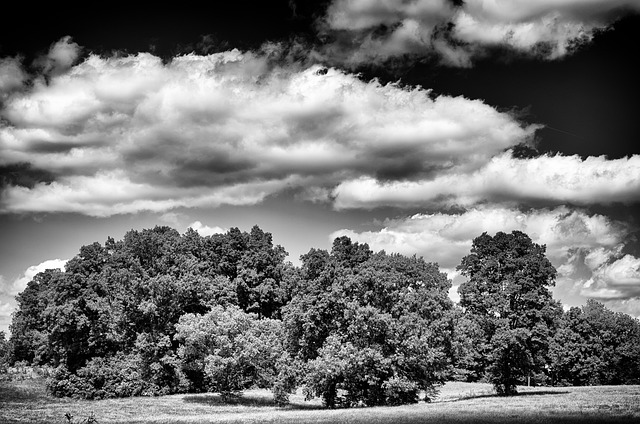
x=22, y=391
x=494, y=395
x=211, y=399
x=542, y=392
x=218, y=400
x=243, y=400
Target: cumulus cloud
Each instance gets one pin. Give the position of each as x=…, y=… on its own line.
x=125, y=134
x=205, y=230
x=619, y=279
x=552, y=179
x=12, y=76
x=20, y=283
x=382, y=29
x=61, y=56
x=119, y=135
x=585, y=248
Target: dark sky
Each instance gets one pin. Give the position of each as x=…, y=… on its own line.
x=392, y=165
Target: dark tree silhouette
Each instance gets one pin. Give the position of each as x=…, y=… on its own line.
x=508, y=294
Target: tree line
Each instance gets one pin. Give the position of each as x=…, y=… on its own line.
x=160, y=312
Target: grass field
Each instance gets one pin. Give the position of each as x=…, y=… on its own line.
x=27, y=402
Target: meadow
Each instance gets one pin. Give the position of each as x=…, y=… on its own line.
x=26, y=401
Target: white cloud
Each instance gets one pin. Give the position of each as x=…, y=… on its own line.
x=125, y=134
x=555, y=179
x=362, y=14
x=205, y=230
x=6, y=309
x=619, y=279
x=584, y=248
x=12, y=76
x=62, y=54
x=548, y=28
x=172, y=218
x=112, y=193
x=20, y=283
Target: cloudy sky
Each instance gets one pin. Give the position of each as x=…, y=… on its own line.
x=411, y=125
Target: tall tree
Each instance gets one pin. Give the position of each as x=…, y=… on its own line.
x=372, y=329
x=508, y=293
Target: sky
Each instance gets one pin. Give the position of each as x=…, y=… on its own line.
x=413, y=126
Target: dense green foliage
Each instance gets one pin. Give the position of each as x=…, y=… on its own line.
x=161, y=312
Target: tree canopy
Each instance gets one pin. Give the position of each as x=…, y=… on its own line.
x=508, y=295
x=372, y=328
x=161, y=312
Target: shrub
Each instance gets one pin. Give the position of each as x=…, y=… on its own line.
x=101, y=378
x=228, y=350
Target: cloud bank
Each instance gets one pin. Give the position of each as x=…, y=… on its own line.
x=119, y=135
x=504, y=179
x=124, y=134
x=377, y=30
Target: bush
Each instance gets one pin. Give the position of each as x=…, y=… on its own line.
x=101, y=378
x=228, y=350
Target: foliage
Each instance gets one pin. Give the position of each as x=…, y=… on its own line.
x=126, y=297
x=4, y=352
x=468, y=347
x=508, y=295
x=121, y=375
x=596, y=346
x=161, y=312
x=372, y=328
x=228, y=350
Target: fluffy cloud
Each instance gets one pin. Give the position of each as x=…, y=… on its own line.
x=62, y=54
x=205, y=230
x=12, y=76
x=586, y=249
x=619, y=279
x=21, y=282
x=124, y=134
x=120, y=135
x=384, y=29
x=552, y=179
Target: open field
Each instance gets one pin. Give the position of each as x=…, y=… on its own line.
x=27, y=402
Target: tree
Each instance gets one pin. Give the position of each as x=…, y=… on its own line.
x=507, y=292
x=467, y=348
x=228, y=350
x=372, y=329
x=4, y=351
x=260, y=275
x=29, y=332
x=594, y=346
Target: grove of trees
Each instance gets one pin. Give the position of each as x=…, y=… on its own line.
x=161, y=312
